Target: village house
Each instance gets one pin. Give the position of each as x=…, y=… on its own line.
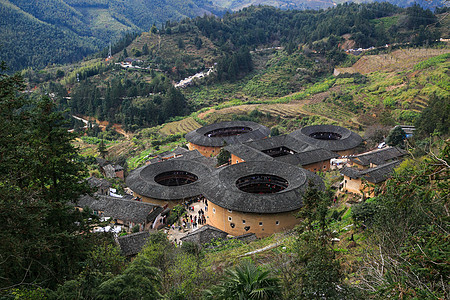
x=131, y=244
x=110, y=170
x=205, y=234
x=376, y=158
x=101, y=185
x=123, y=212
x=355, y=179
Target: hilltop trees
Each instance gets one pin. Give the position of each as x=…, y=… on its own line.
x=435, y=118
x=130, y=103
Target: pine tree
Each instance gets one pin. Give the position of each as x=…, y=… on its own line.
x=43, y=238
x=102, y=149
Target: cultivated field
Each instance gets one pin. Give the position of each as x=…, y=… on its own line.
x=183, y=126
x=398, y=60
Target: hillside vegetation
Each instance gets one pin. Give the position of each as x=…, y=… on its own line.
x=40, y=33
x=284, y=87
x=313, y=4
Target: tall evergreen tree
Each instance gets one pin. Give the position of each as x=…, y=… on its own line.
x=43, y=239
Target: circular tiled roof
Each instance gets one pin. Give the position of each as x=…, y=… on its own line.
x=340, y=138
x=205, y=136
x=142, y=180
x=223, y=191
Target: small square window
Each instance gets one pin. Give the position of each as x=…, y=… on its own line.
x=214, y=210
x=243, y=221
x=277, y=222
x=230, y=211
x=260, y=223
x=229, y=219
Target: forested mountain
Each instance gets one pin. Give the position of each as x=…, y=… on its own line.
x=318, y=4
x=145, y=96
x=38, y=33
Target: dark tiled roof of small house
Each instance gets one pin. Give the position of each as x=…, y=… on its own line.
x=204, y=234
x=329, y=137
x=101, y=162
x=132, y=244
x=142, y=180
x=223, y=191
x=204, y=136
x=117, y=208
x=111, y=169
x=378, y=157
x=373, y=175
x=95, y=182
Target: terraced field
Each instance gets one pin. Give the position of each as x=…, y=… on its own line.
x=398, y=60
x=287, y=110
x=183, y=126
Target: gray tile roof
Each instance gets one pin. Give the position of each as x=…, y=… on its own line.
x=204, y=234
x=176, y=151
x=247, y=153
x=142, y=180
x=181, y=153
x=132, y=244
x=200, y=137
x=117, y=208
x=281, y=140
x=308, y=157
x=373, y=175
x=222, y=189
x=305, y=154
x=348, y=140
x=95, y=182
x=378, y=157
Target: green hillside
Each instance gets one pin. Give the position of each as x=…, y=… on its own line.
x=284, y=86
x=40, y=33
x=315, y=4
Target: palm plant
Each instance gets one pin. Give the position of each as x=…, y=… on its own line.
x=246, y=281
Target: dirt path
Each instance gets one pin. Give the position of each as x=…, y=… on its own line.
x=103, y=124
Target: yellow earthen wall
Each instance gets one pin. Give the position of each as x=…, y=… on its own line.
x=236, y=160
x=218, y=217
x=205, y=150
x=318, y=166
x=356, y=186
x=352, y=185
